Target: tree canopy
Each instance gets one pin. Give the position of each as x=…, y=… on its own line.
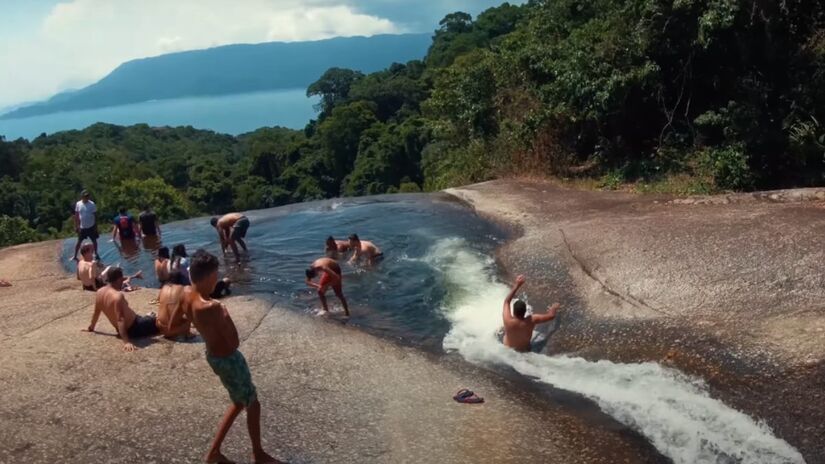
x=728, y=94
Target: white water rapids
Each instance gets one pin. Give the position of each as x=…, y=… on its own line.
x=673, y=411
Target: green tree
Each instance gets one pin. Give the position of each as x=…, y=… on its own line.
x=333, y=88
x=168, y=203
x=15, y=230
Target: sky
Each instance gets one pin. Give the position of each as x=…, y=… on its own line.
x=48, y=46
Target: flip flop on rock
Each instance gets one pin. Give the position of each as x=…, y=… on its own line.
x=467, y=396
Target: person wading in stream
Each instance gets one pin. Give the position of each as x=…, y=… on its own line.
x=518, y=327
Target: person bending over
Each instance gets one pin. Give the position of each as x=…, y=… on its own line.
x=231, y=229
x=335, y=248
x=212, y=321
x=330, y=277
x=363, y=248
x=111, y=301
x=518, y=327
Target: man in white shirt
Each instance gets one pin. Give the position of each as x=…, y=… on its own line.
x=85, y=222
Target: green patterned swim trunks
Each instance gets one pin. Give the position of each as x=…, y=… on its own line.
x=235, y=377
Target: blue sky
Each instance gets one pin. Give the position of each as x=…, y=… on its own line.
x=47, y=46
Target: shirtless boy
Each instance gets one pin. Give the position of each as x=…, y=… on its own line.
x=231, y=229
x=92, y=278
x=330, y=277
x=363, y=248
x=110, y=301
x=335, y=248
x=518, y=329
x=172, y=319
x=89, y=270
x=221, y=338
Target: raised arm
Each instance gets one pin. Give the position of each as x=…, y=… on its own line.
x=506, y=311
x=548, y=316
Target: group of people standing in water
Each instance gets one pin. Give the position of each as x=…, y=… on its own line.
x=188, y=296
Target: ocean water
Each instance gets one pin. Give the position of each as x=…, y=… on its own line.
x=439, y=287
x=230, y=114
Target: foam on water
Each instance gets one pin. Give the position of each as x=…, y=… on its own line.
x=675, y=412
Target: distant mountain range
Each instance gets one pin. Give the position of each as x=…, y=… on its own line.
x=233, y=69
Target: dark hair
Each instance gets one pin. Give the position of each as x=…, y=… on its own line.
x=330, y=238
x=176, y=278
x=311, y=273
x=86, y=248
x=147, y=207
x=114, y=274
x=163, y=252
x=214, y=221
x=203, y=263
x=122, y=210
x=84, y=193
x=354, y=237
x=179, y=250
x=519, y=309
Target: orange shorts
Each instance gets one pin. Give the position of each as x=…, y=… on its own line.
x=327, y=281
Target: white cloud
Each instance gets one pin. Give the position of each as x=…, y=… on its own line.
x=80, y=41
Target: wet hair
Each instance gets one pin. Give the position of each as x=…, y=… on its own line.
x=519, y=309
x=202, y=265
x=86, y=248
x=179, y=250
x=354, y=237
x=163, y=252
x=176, y=278
x=330, y=239
x=114, y=274
x=122, y=210
x=311, y=273
x=214, y=221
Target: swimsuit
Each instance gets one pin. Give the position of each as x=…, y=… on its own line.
x=326, y=281
x=235, y=377
x=144, y=326
x=93, y=288
x=240, y=228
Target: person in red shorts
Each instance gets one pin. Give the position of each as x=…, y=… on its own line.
x=330, y=277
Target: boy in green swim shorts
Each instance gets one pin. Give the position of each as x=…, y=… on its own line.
x=221, y=338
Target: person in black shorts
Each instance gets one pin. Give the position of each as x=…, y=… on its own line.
x=232, y=230
x=85, y=223
x=149, y=225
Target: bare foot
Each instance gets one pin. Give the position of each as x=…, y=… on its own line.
x=263, y=458
x=218, y=458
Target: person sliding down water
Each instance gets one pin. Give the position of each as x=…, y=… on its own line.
x=518, y=327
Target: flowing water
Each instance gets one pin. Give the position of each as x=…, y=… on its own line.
x=438, y=288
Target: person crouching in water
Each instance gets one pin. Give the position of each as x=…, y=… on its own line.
x=172, y=320
x=330, y=277
x=518, y=327
x=363, y=248
x=111, y=301
x=335, y=249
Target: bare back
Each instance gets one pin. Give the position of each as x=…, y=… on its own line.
x=228, y=220
x=327, y=262
x=518, y=333
x=212, y=320
x=172, y=318
x=87, y=272
x=162, y=269
x=109, y=301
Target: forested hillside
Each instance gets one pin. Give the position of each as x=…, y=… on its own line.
x=684, y=95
